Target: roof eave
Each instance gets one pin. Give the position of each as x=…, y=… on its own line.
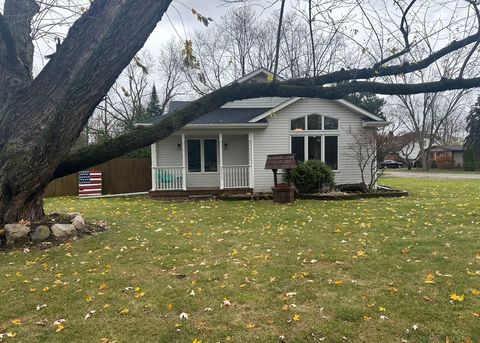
x=375, y=123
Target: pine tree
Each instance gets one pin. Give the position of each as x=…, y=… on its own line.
x=153, y=108
x=473, y=127
x=368, y=101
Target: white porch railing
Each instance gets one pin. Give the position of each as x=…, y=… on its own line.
x=236, y=176
x=168, y=178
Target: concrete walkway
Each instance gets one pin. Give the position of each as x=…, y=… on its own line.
x=451, y=176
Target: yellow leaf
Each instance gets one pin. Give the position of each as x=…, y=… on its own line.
x=296, y=317
x=270, y=78
x=59, y=327
x=103, y=287
x=250, y=326
x=429, y=279
x=338, y=282
x=170, y=307
x=197, y=341
x=11, y=334
x=124, y=312
x=16, y=321
x=476, y=292
x=456, y=297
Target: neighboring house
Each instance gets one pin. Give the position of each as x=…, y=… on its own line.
x=405, y=147
x=453, y=153
x=227, y=148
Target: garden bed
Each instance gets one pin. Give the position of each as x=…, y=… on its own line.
x=381, y=192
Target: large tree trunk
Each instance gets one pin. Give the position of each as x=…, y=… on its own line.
x=41, y=119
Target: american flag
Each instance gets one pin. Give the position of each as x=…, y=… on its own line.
x=90, y=183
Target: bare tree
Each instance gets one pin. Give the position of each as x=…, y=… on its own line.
x=364, y=149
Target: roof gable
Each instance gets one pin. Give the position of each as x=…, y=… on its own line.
x=258, y=75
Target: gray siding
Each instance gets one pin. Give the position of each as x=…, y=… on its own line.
x=168, y=154
x=275, y=139
x=237, y=151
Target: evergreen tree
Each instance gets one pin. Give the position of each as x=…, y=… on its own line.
x=472, y=141
x=370, y=102
x=469, y=159
x=154, y=108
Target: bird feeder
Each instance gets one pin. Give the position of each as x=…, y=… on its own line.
x=282, y=193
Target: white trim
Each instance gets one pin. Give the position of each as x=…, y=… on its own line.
x=375, y=123
x=226, y=126
x=153, y=151
x=275, y=109
x=358, y=110
x=251, y=159
x=220, y=147
x=184, y=164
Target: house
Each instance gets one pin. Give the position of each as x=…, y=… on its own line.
x=226, y=149
x=447, y=156
x=405, y=148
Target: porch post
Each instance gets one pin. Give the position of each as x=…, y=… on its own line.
x=251, y=161
x=154, y=164
x=220, y=147
x=184, y=164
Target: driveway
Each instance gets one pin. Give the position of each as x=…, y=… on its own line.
x=451, y=176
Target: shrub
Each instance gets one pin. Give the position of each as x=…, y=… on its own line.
x=312, y=176
x=469, y=160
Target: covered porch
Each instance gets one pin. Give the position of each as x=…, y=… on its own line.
x=203, y=163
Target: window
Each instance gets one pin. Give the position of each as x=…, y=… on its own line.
x=314, y=122
x=298, y=148
x=330, y=123
x=194, y=156
x=202, y=155
x=331, y=151
x=318, y=147
x=210, y=153
x=314, y=147
x=298, y=124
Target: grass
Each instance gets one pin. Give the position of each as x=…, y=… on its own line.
x=336, y=267
x=432, y=170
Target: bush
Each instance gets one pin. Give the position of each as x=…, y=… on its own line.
x=312, y=176
x=469, y=160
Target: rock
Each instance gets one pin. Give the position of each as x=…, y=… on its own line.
x=40, y=233
x=72, y=215
x=78, y=222
x=62, y=230
x=16, y=233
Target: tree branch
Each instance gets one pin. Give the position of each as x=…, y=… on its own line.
x=142, y=137
x=404, y=68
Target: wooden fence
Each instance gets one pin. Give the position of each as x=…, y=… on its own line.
x=123, y=175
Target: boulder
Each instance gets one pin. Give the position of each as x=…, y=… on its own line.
x=72, y=215
x=62, y=230
x=78, y=222
x=16, y=233
x=40, y=233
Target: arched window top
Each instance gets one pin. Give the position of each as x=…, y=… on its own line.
x=314, y=122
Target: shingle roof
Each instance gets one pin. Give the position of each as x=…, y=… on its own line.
x=218, y=116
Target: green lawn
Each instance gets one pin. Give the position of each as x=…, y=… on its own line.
x=310, y=271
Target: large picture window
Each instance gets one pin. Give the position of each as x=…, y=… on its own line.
x=318, y=147
x=202, y=155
